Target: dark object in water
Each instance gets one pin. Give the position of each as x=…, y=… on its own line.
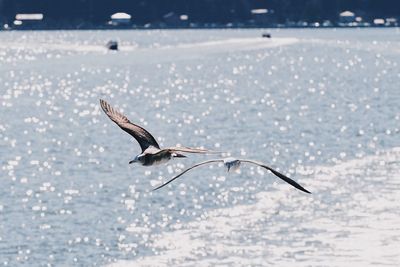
x=266, y=35
x=112, y=45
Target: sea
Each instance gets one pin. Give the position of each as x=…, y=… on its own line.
x=319, y=105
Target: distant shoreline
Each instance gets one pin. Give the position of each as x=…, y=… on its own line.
x=187, y=28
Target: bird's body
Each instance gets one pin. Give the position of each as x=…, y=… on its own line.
x=151, y=154
x=233, y=164
x=155, y=156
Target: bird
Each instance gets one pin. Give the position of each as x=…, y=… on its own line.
x=151, y=154
x=233, y=164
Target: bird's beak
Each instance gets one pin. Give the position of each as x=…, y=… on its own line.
x=132, y=161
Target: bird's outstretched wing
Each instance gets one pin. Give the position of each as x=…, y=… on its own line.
x=144, y=138
x=191, y=150
x=280, y=175
x=188, y=169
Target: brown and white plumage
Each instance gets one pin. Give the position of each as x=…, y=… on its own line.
x=151, y=152
x=233, y=163
x=144, y=138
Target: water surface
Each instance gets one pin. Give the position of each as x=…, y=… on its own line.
x=318, y=105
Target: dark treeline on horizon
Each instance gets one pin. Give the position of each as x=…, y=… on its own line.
x=97, y=12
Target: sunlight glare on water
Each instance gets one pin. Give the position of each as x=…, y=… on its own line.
x=318, y=105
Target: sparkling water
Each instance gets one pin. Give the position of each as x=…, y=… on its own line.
x=321, y=106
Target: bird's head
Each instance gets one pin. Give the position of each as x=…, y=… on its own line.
x=137, y=158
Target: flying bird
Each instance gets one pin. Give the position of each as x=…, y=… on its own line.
x=233, y=164
x=151, y=154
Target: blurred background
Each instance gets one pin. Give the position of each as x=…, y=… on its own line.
x=84, y=14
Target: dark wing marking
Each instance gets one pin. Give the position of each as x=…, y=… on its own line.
x=144, y=138
x=280, y=175
x=188, y=169
x=191, y=150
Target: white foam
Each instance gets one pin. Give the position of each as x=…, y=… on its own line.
x=72, y=47
x=242, y=43
x=229, y=44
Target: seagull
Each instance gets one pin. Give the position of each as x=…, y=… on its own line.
x=234, y=164
x=151, y=154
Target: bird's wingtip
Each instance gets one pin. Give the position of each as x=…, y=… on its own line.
x=158, y=187
x=104, y=105
x=304, y=190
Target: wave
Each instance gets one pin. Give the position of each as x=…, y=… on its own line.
x=242, y=43
x=231, y=44
x=41, y=46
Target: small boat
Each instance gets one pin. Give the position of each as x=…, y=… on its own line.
x=112, y=45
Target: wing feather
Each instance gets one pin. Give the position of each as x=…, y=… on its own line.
x=144, y=138
x=191, y=150
x=188, y=169
x=280, y=175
